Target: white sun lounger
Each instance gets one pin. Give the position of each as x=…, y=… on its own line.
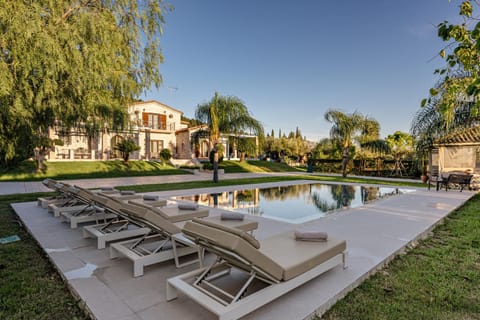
x=120, y=228
x=280, y=263
x=167, y=242
x=64, y=198
x=86, y=212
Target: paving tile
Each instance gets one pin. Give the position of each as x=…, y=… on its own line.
x=100, y=300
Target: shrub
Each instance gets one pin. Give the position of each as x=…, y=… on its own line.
x=125, y=147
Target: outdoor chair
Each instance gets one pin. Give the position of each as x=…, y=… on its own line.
x=278, y=265
x=165, y=242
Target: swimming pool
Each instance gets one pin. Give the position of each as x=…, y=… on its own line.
x=294, y=203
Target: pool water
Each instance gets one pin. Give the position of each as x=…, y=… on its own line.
x=294, y=203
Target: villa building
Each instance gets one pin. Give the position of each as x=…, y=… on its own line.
x=154, y=126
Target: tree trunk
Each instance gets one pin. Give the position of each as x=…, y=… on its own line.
x=215, y=165
x=344, y=162
x=40, y=154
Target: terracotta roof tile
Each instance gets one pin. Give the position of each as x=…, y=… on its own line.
x=468, y=135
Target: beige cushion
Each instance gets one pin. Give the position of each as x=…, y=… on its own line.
x=153, y=219
x=148, y=203
x=244, y=225
x=297, y=257
x=173, y=214
x=242, y=234
x=235, y=244
x=281, y=256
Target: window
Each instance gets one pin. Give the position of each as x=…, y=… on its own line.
x=155, y=147
x=154, y=121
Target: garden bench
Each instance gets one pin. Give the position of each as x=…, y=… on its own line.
x=460, y=180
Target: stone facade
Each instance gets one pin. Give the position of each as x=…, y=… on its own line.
x=153, y=128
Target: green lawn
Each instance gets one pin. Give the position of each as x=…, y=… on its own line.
x=30, y=288
x=255, y=166
x=88, y=170
x=111, y=169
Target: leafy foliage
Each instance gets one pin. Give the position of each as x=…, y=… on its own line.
x=349, y=127
x=74, y=64
x=293, y=146
x=125, y=147
x=229, y=115
x=165, y=155
x=460, y=82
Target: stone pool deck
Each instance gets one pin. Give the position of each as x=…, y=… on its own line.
x=375, y=233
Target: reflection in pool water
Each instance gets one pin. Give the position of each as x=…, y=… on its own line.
x=294, y=203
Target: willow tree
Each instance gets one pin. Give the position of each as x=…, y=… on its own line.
x=346, y=128
x=74, y=64
x=228, y=115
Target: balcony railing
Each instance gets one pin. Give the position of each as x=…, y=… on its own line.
x=169, y=126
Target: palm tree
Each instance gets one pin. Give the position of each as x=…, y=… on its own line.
x=229, y=115
x=430, y=122
x=125, y=147
x=347, y=127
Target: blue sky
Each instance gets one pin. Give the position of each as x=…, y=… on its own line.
x=290, y=61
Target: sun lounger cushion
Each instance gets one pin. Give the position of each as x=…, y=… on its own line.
x=127, y=192
x=187, y=206
x=297, y=257
x=232, y=242
x=232, y=216
x=153, y=219
x=281, y=256
x=173, y=214
x=250, y=239
x=72, y=189
x=151, y=197
x=161, y=223
x=310, y=235
x=244, y=225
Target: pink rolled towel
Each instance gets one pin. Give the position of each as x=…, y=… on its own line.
x=232, y=216
x=187, y=206
x=151, y=197
x=310, y=235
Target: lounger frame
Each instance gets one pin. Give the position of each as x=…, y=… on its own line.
x=113, y=230
x=166, y=248
x=240, y=305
